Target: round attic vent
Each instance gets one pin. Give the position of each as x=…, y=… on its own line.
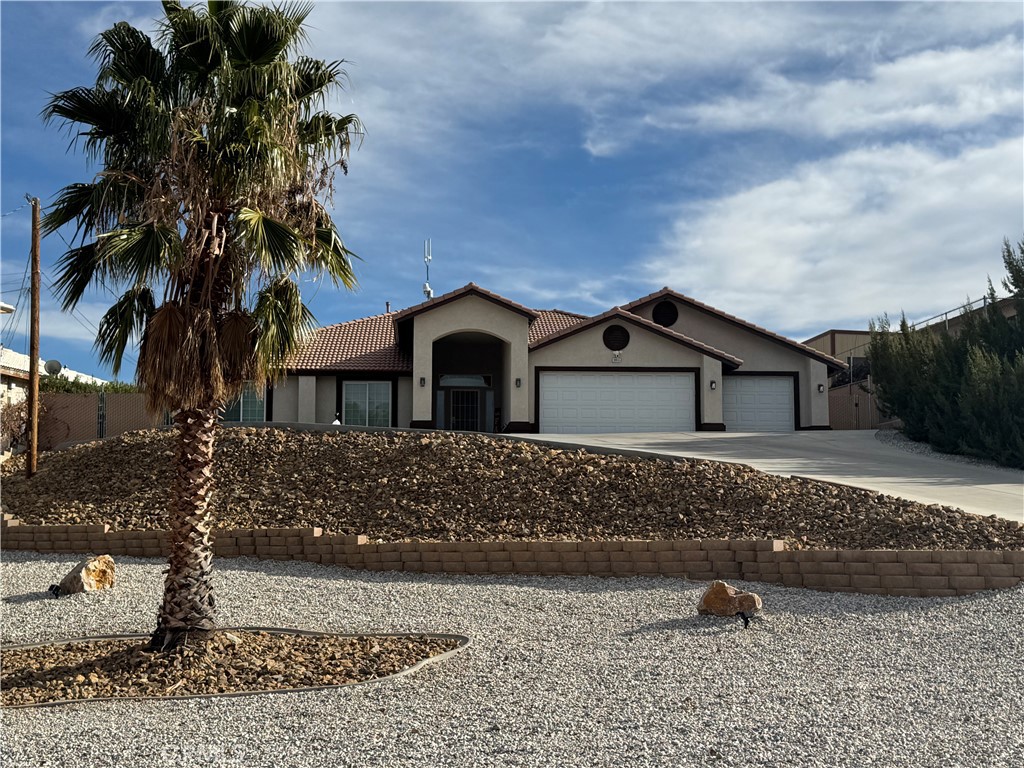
x=616, y=337
x=665, y=313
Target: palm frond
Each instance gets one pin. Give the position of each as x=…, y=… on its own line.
x=126, y=55
x=277, y=248
x=127, y=318
x=77, y=269
x=330, y=255
x=284, y=324
x=237, y=342
x=139, y=254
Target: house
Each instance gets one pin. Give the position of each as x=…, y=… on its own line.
x=14, y=375
x=473, y=360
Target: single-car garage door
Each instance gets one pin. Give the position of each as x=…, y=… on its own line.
x=757, y=403
x=594, y=402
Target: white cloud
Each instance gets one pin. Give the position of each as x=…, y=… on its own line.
x=945, y=89
x=840, y=241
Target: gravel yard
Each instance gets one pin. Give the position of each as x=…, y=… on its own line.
x=470, y=487
x=561, y=672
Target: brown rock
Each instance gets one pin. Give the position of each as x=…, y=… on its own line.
x=720, y=599
x=89, y=575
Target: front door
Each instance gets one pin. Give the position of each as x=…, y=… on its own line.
x=465, y=413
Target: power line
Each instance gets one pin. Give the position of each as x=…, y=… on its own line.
x=15, y=210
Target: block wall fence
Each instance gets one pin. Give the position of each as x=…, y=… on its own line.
x=914, y=573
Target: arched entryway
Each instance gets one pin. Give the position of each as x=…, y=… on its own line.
x=470, y=391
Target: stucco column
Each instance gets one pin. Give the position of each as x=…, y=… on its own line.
x=817, y=414
x=710, y=399
x=422, y=368
x=519, y=368
x=307, y=399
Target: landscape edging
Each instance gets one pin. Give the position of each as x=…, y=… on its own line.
x=909, y=573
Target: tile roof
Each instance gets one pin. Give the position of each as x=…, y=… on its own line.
x=629, y=317
x=830, y=361
x=367, y=344
x=469, y=288
x=551, y=321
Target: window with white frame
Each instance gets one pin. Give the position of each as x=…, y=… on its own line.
x=250, y=406
x=367, y=404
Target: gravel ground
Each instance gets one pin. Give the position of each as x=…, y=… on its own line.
x=561, y=672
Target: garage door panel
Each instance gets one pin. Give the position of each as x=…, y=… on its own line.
x=758, y=403
x=625, y=402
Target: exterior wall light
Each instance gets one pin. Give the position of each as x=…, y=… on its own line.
x=423, y=381
x=714, y=384
x=519, y=383
x=821, y=388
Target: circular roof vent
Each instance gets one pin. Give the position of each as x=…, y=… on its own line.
x=665, y=313
x=616, y=337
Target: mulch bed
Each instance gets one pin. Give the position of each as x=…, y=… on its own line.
x=227, y=662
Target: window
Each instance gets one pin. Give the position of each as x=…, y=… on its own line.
x=367, y=404
x=250, y=406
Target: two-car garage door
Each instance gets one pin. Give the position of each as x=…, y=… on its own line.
x=757, y=403
x=582, y=402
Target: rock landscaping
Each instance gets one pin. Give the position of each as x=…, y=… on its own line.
x=227, y=662
x=451, y=487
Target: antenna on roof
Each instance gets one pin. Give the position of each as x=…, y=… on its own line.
x=427, y=257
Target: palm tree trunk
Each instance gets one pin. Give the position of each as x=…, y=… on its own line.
x=188, y=607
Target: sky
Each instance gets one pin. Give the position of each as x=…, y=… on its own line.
x=804, y=166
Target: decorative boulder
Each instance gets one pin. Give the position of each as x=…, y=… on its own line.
x=720, y=599
x=88, y=576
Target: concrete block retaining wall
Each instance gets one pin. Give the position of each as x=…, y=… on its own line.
x=917, y=573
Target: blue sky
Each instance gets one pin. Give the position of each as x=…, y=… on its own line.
x=805, y=166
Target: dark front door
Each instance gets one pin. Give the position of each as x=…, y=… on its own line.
x=465, y=412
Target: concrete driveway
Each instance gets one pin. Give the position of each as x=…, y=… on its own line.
x=850, y=457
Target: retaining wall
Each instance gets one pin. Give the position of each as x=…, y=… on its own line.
x=916, y=573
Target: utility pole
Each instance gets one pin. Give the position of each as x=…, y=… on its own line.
x=33, y=352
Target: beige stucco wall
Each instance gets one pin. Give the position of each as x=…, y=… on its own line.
x=286, y=400
x=403, y=413
x=326, y=400
x=646, y=349
x=758, y=354
x=307, y=399
x=471, y=313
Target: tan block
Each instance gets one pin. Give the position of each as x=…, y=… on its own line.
x=516, y=546
x=453, y=566
x=770, y=545
x=792, y=579
x=771, y=578
x=880, y=556
x=865, y=582
x=647, y=568
x=498, y=556
x=546, y=558
x=984, y=556
x=692, y=556
x=620, y=557
x=995, y=570
x=949, y=556
x=371, y=557
x=667, y=556
x=634, y=546
x=699, y=566
x=478, y=566
x=611, y=546
x=474, y=557
x=860, y=569
x=524, y=557
x=891, y=569
x=1001, y=582
x=710, y=545
x=492, y=546
x=686, y=545
x=850, y=556
x=787, y=569
x=1014, y=557
x=743, y=545
x=931, y=582
x=388, y=547
x=822, y=555
x=670, y=568
x=643, y=557
x=659, y=546
x=576, y=568
x=1018, y=570
x=623, y=568
x=915, y=556
x=432, y=567
x=539, y=546
x=746, y=556
x=247, y=551
x=956, y=568
x=721, y=556
x=430, y=556
x=448, y=546
x=908, y=592
x=768, y=568
x=573, y=557
x=728, y=569
x=823, y=568
x=814, y=580
x=500, y=566
x=563, y=546
x=416, y=566
x=589, y=546
x=467, y=546
x=412, y=557
x=938, y=593
x=598, y=557
x=924, y=569
x=897, y=582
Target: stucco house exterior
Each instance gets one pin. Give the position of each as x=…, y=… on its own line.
x=473, y=360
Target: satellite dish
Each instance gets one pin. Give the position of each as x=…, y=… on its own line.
x=53, y=367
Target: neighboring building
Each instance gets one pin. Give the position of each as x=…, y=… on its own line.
x=473, y=360
x=14, y=375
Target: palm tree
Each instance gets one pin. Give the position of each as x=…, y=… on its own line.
x=217, y=155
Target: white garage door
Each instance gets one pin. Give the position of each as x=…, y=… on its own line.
x=593, y=402
x=757, y=403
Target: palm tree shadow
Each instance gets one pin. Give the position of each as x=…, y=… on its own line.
x=28, y=597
